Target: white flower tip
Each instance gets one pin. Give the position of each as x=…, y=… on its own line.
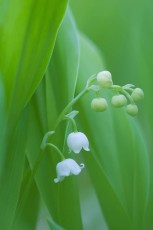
x=76, y=151
x=56, y=180
x=87, y=149
x=82, y=165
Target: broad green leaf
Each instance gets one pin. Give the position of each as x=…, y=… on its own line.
x=119, y=163
x=12, y=171
x=29, y=214
x=130, y=61
x=61, y=200
x=93, y=129
x=2, y=123
x=28, y=31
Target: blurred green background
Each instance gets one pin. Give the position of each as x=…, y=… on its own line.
x=43, y=65
x=123, y=31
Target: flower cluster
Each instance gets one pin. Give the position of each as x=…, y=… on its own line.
x=126, y=96
x=123, y=95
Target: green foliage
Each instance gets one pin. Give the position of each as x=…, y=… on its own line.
x=38, y=78
x=28, y=31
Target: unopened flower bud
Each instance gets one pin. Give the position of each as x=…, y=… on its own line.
x=119, y=100
x=104, y=79
x=132, y=109
x=99, y=104
x=137, y=94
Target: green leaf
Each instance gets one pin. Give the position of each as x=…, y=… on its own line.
x=2, y=123
x=12, y=161
x=116, y=155
x=61, y=200
x=27, y=219
x=28, y=31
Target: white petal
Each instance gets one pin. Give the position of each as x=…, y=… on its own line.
x=62, y=169
x=56, y=180
x=77, y=141
x=74, y=167
x=84, y=141
x=86, y=148
x=75, y=170
x=74, y=142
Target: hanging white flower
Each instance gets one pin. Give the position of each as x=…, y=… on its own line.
x=76, y=141
x=67, y=167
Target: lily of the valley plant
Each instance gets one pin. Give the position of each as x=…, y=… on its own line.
x=125, y=96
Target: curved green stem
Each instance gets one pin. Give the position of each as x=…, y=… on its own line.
x=73, y=123
x=90, y=81
x=30, y=175
x=57, y=150
x=59, y=119
x=47, y=135
x=128, y=96
x=123, y=91
x=40, y=156
x=67, y=108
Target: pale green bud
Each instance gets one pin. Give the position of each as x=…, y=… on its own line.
x=132, y=109
x=99, y=104
x=104, y=79
x=119, y=100
x=137, y=94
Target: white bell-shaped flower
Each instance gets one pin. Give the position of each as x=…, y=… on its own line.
x=67, y=167
x=76, y=141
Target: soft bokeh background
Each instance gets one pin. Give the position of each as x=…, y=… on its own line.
x=123, y=31
x=43, y=65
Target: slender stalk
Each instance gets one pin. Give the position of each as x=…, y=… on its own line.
x=73, y=123
x=67, y=108
x=47, y=135
x=123, y=91
x=57, y=150
x=71, y=103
